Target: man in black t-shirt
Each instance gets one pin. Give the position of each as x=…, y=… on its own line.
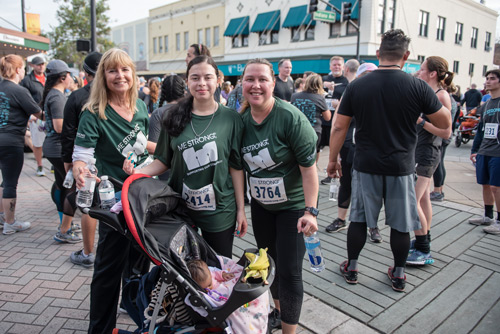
x=472, y=98
x=284, y=87
x=386, y=105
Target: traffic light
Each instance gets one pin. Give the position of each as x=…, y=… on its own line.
x=313, y=6
x=346, y=11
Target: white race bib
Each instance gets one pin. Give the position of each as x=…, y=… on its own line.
x=268, y=190
x=202, y=199
x=490, y=130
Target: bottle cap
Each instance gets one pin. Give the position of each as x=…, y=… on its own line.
x=104, y=178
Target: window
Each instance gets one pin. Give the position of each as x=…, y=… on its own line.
x=391, y=13
x=350, y=30
x=473, y=39
x=178, y=41
x=160, y=44
x=456, y=66
x=295, y=32
x=386, y=15
x=471, y=69
x=487, y=42
x=200, y=36
x=155, y=50
x=485, y=69
x=263, y=38
x=240, y=41
x=381, y=16
x=424, y=23
x=275, y=37
x=186, y=40
x=207, y=36
x=421, y=58
x=166, y=43
x=441, y=23
x=244, y=40
x=216, y=36
x=335, y=29
x=309, y=34
x=459, y=29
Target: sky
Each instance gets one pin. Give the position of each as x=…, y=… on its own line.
x=121, y=11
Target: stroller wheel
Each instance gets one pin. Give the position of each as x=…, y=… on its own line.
x=458, y=140
x=465, y=140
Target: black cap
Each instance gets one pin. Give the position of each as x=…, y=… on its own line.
x=38, y=61
x=91, y=62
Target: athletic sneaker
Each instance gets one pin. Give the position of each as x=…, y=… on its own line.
x=436, y=197
x=484, y=220
x=493, y=229
x=16, y=226
x=350, y=276
x=412, y=246
x=398, y=283
x=326, y=180
x=40, y=171
x=69, y=237
x=273, y=320
x=82, y=260
x=337, y=225
x=75, y=227
x=417, y=258
x=375, y=235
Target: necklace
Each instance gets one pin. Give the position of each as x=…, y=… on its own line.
x=197, y=135
x=393, y=65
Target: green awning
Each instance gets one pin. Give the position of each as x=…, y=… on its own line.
x=267, y=21
x=298, y=16
x=238, y=26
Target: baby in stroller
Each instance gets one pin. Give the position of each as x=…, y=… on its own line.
x=467, y=128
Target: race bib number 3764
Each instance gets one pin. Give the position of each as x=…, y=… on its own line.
x=202, y=199
x=268, y=190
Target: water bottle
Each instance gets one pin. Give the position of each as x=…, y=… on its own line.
x=106, y=193
x=334, y=189
x=69, y=179
x=313, y=248
x=86, y=194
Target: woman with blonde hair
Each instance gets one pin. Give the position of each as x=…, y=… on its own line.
x=113, y=126
x=16, y=107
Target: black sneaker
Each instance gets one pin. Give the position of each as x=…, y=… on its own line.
x=350, y=276
x=398, y=283
x=273, y=320
x=375, y=235
x=337, y=225
x=326, y=180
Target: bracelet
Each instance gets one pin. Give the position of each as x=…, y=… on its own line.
x=422, y=123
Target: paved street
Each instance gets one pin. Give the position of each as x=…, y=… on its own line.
x=42, y=292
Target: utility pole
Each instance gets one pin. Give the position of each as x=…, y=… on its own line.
x=22, y=14
x=93, y=37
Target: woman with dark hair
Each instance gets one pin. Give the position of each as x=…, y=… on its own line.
x=196, y=50
x=53, y=101
x=16, y=106
x=200, y=145
x=434, y=71
x=279, y=147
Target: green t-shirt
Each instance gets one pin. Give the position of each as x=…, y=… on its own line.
x=272, y=152
x=200, y=166
x=114, y=139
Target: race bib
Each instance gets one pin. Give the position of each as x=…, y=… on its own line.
x=490, y=130
x=202, y=199
x=268, y=190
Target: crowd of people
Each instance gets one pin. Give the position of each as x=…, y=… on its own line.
x=386, y=130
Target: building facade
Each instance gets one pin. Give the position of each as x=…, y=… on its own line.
x=133, y=38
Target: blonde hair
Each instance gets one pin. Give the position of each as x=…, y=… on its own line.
x=99, y=93
x=9, y=65
x=337, y=58
x=314, y=84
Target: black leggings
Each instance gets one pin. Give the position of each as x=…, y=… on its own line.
x=440, y=173
x=11, y=163
x=345, y=180
x=221, y=242
x=65, y=202
x=278, y=232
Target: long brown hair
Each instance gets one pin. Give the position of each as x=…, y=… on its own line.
x=440, y=66
x=314, y=84
x=259, y=61
x=154, y=89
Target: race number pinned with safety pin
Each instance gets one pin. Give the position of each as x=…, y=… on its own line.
x=202, y=199
x=491, y=130
x=268, y=190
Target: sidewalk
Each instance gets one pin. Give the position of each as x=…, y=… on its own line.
x=41, y=291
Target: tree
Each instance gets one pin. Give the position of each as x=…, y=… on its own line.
x=74, y=23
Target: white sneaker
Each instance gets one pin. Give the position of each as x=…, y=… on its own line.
x=40, y=171
x=16, y=226
x=493, y=229
x=481, y=221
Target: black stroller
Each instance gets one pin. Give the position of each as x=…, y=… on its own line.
x=155, y=217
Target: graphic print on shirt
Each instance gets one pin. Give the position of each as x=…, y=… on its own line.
x=199, y=158
x=261, y=160
x=138, y=148
x=308, y=108
x=4, y=109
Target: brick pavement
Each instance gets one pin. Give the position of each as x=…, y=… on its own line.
x=42, y=292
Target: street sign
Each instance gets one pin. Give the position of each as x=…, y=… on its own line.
x=322, y=15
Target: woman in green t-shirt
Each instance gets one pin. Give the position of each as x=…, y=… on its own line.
x=279, y=154
x=200, y=144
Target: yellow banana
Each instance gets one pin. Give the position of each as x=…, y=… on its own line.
x=262, y=262
x=250, y=256
x=263, y=273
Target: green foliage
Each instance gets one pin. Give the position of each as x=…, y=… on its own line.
x=74, y=23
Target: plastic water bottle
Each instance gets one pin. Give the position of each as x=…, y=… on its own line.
x=86, y=194
x=334, y=189
x=106, y=193
x=313, y=247
x=69, y=179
